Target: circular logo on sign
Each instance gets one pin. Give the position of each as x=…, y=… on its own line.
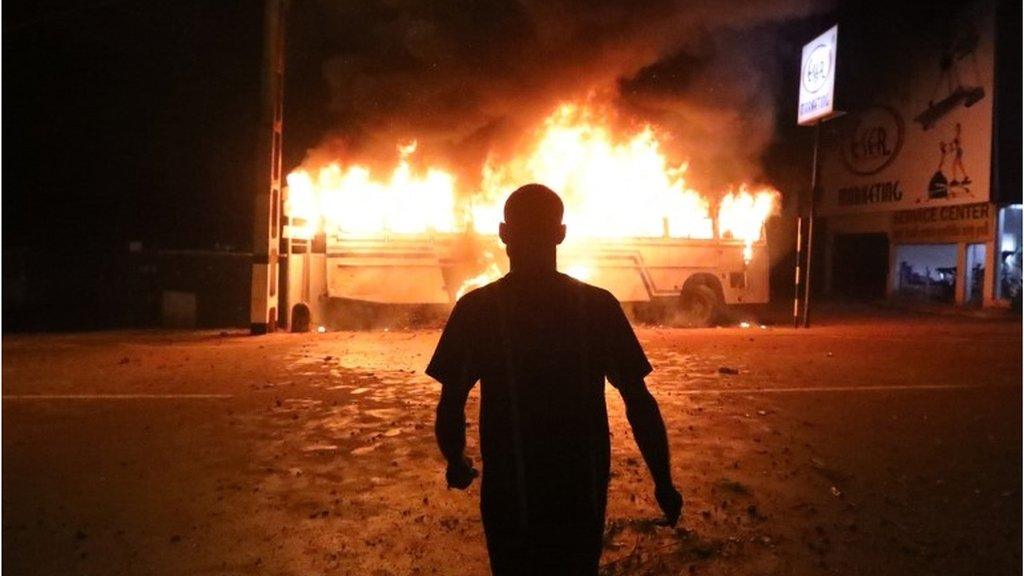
x=817, y=68
x=873, y=139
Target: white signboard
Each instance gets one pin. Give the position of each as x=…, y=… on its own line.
x=926, y=138
x=818, y=77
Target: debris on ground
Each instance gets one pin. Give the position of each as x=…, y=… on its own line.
x=732, y=486
x=331, y=467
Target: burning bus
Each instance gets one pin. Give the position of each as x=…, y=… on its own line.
x=414, y=240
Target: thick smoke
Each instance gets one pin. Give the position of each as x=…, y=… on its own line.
x=470, y=78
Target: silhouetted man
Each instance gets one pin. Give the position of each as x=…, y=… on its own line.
x=542, y=344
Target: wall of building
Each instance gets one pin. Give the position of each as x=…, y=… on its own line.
x=913, y=157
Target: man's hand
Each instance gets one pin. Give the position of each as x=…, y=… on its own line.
x=671, y=503
x=460, y=473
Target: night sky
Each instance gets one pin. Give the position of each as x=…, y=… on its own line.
x=130, y=120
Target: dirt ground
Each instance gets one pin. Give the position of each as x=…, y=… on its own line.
x=866, y=445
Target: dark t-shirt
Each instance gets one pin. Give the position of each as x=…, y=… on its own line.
x=541, y=346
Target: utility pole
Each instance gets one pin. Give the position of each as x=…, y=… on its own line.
x=815, y=105
x=796, y=269
x=810, y=227
x=266, y=270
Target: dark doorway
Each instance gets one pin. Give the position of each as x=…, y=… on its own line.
x=300, y=318
x=860, y=265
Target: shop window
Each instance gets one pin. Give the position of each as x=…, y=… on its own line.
x=1008, y=261
x=926, y=272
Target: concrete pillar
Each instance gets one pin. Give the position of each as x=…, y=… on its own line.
x=264, y=305
x=961, y=274
x=988, y=298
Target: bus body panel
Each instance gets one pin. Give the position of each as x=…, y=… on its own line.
x=431, y=270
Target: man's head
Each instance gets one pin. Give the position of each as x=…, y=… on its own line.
x=533, y=218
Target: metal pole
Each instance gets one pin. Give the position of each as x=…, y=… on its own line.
x=810, y=227
x=796, y=275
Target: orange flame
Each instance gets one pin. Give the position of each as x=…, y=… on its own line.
x=742, y=214
x=349, y=200
x=490, y=274
x=613, y=186
x=611, y=189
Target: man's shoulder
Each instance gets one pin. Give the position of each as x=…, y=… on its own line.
x=590, y=292
x=486, y=295
x=480, y=296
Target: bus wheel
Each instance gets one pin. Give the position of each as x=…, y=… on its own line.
x=700, y=305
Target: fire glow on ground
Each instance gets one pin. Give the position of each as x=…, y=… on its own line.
x=864, y=446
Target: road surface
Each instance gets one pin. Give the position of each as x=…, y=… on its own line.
x=862, y=446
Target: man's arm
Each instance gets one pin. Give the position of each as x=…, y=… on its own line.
x=453, y=366
x=649, y=430
x=450, y=426
x=450, y=429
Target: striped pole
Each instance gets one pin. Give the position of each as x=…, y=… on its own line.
x=796, y=275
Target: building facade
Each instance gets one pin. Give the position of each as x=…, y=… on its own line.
x=920, y=179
